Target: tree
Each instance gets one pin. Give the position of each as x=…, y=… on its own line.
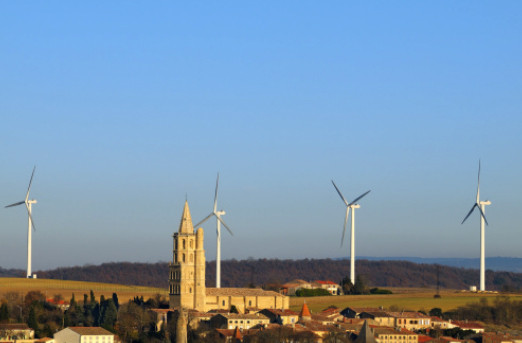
x=360, y=286
x=31, y=321
x=109, y=314
x=115, y=301
x=436, y=312
x=4, y=313
x=347, y=285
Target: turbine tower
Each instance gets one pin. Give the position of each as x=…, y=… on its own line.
x=349, y=206
x=28, y=204
x=219, y=221
x=481, y=205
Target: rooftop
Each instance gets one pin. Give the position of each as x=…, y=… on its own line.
x=90, y=331
x=241, y=292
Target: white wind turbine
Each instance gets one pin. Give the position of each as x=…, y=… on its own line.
x=28, y=204
x=349, y=206
x=219, y=221
x=481, y=206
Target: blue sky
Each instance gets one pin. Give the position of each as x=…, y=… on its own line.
x=126, y=107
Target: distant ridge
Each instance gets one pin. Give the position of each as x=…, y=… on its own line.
x=508, y=264
x=378, y=273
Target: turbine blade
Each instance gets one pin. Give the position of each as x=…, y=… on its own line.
x=482, y=214
x=345, y=221
x=30, y=181
x=204, y=220
x=18, y=203
x=338, y=191
x=469, y=213
x=359, y=198
x=30, y=217
x=222, y=222
x=216, y=195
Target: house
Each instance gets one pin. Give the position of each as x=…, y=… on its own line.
x=381, y=317
x=61, y=304
x=291, y=287
x=390, y=335
x=465, y=325
x=354, y=312
x=13, y=332
x=241, y=321
x=439, y=323
x=84, y=335
x=330, y=286
x=161, y=315
x=411, y=320
x=281, y=317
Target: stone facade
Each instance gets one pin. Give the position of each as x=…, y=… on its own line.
x=187, y=278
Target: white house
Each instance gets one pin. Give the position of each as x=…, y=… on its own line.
x=84, y=335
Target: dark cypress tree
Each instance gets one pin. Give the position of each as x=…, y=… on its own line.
x=115, y=300
x=4, y=313
x=31, y=321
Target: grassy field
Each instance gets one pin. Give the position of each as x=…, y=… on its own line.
x=79, y=288
x=412, y=299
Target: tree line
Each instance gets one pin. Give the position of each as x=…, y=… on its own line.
x=253, y=272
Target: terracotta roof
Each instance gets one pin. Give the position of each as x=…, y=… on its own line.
x=364, y=309
x=322, y=318
x=45, y=339
x=379, y=313
x=245, y=316
x=318, y=327
x=237, y=334
x=424, y=338
x=21, y=326
x=230, y=332
x=327, y=282
x=241, y=292
x=408, y=315
x=305, y=312
x=90, y=331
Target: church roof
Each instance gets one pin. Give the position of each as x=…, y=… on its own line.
x=241, y=292
x=185, y=226
x=305, y=312
x=365, y=335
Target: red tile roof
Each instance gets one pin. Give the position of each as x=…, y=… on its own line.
x=424, y=338
x=327, y=282
x=305, y=312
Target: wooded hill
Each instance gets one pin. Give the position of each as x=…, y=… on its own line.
x=273, y=271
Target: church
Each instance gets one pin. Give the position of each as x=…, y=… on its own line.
x=187, y=288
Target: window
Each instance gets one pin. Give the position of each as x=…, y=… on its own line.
x=190, y=290
x=250, y=303
x=183, y=243
x=191, y=243
x=191, y=258
x=223, y=302
x=183, y=257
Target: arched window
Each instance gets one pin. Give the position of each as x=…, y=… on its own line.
x=223, y=302
x=250, y=303
x=191, y=243
x=183, y=243
x=183, y=257
x=190, y=290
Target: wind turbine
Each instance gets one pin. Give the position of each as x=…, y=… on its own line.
x=28, y=204
x=219, y=221
x=349, y=206
x=481, y=205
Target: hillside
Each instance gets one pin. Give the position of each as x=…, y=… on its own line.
x=240, y=273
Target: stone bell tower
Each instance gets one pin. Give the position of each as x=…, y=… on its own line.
x=187, y=269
